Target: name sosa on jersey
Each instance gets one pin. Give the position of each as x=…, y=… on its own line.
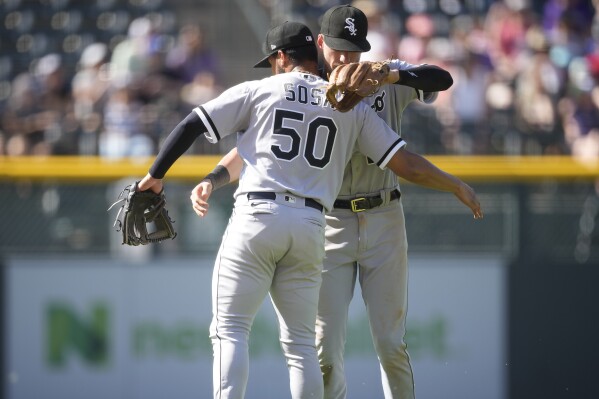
x=317, y=97
x=303, y=95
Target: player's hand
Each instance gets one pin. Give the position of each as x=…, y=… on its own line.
x=199, y=198
x=149, y=182
x=466, y=194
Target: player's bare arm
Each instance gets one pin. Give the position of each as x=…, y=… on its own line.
x=418, y=170
x=228, y=169
x=150, y=183
x=199, y=198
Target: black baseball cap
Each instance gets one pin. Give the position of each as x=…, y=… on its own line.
x=344, y=28
x=285, y=36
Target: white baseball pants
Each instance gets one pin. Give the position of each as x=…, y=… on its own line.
x=276, y=247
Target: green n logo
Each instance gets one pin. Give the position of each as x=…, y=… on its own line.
x=66, y=332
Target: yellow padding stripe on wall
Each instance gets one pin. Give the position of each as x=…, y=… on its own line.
x=470, y=168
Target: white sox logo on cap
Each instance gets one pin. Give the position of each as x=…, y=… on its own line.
x=350, y=26
x=344, y=28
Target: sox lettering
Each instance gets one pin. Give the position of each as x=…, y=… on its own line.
x=350, y=26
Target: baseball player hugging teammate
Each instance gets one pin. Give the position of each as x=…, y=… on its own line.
x=287, y=137
x=294, y=150
x=367, y=211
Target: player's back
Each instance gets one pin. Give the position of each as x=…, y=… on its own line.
x=291, y=139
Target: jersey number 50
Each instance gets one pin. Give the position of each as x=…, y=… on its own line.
x=320, y=125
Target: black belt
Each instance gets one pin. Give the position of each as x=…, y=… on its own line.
x=271, y=196
x=363, y=203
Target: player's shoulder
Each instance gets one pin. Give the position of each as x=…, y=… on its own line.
x=297, y=77
x=243, y=87
x=251, y=87
x=267, y=82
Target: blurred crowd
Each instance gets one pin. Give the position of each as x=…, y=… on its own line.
x=120, y=100
x=525, y=80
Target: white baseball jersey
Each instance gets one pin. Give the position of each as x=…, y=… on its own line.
x=290, y=138
x=369, y=247
x=389, y=103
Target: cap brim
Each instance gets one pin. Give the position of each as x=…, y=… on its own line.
x=263, y=63
x=345, y=45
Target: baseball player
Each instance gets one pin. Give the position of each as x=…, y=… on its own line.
x=295, y=148
x=367, y=212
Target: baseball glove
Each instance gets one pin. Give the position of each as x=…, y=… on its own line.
x=138, y=211
x=350, y=83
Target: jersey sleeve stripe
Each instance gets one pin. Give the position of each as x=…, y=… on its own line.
x=212, y=135
x=382, y=163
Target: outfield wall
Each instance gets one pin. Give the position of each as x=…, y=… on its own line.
x=100, y=328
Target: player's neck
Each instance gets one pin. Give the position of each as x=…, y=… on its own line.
x=303, y=69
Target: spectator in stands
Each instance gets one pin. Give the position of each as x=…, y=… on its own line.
x=130, y=58
x=23, y=121
x=91, y=81
x=537, y=86
x=470, y=68
x=383, y=29
x=90, y=91
x=123, y=133
x=35, y=116
x=54, y=97
x=201, y=89
x=580, y=115
x=468, y=101
x=419, y=30
x=505, y=29
x=191, y=56
x=568, y=23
